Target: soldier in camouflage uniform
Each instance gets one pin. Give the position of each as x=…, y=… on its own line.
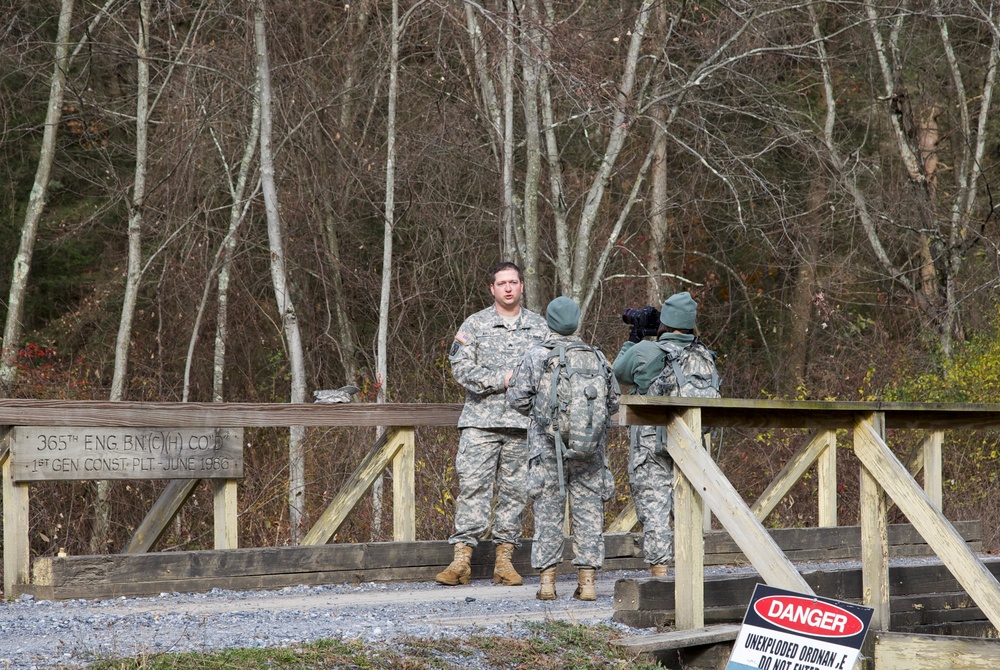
x=651, y=475
x=492, y=451
x=588, y=481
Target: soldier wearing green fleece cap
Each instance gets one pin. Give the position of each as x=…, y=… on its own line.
x=554, y=475
x=651, y=471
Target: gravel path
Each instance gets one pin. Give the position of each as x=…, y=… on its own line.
x=42, y=633
x=74, y=633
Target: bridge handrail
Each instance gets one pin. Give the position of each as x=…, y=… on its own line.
x=698, y=476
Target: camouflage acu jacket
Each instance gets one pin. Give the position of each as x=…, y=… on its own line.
x=483, y=351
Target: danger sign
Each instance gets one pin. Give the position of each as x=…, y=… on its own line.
x=783, y=630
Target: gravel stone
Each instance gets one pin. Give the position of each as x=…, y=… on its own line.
x=74, y=633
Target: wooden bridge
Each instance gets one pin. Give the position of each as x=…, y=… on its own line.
x=701, y=487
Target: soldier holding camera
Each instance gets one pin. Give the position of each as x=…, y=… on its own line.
x=645, y=364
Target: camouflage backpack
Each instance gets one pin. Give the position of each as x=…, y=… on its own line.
x=688, y=372
x=571, y=402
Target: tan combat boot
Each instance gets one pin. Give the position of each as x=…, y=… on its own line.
x=658, y=570
x=503, y=572
x=547, y=584
x=460, y=570
x=585, y=589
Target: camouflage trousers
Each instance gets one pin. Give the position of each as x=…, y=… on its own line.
x=651, y=480
x=588, y=484
x=489, y=459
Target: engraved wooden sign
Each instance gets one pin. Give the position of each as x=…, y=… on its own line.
x=45, y=453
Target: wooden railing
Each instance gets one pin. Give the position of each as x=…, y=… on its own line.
x=883, y=477
x=701, y=484
x=395, y=449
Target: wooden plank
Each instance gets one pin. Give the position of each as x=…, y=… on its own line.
x=826, y=475
x=622, y=550
x=794, y=469
x=935, y=528
x=404, y=508
x=678, y=639
x=873, y=515
x=748, y=413
x=226, y=514
x=933, y=609
x=832, y=543
x=842, y=582
x=155, y=523
x=276, y=567
x=626, y=520
x=646, y=602
x=689, y=537
x=16, y=549
x=730, y=509
x=357, y=485
x=900, y=651
x=267, y=560
x=933, y=484
x=197, y=414
x=636, y=410
x=52, y=453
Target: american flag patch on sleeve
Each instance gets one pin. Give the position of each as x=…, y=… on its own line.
x=462, y=337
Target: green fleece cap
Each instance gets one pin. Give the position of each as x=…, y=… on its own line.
x=563, y=315
x=679, y=311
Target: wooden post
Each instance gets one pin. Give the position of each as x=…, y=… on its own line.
x=790, y=475
x=727, y=505
x=16, y=556
x=360, y=481
x=706, y=441
x=913, y=651
x=932, y=468
x=164, y=510
x=227, y=534
x=689, y=540
x=826, y=473
x=947, y=543
x=404, y=513
x=874, y=532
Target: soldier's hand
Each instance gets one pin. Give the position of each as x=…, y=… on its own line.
x=506, y=378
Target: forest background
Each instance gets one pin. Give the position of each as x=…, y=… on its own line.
x=250, y=200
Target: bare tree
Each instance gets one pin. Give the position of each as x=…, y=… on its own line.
x=133, y=273
x=280, y=281
x=222, y=266
x=36, y=205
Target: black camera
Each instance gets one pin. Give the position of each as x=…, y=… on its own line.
x=646, y=321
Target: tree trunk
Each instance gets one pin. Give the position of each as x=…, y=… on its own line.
x=530, y=68
x=223, y=264
x=279, y=278
x=796, y=363
x=557, y=195
x=346, y=337
x=36, y=205
x=381, y=365
x=133, y=275
x=658, y=209
x=620, y=128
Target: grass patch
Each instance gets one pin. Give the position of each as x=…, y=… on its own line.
x=552, y=645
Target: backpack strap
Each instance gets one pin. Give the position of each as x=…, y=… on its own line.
x=671, y=355
x=558, y=352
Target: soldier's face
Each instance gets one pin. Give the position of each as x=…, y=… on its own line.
x=506, y=289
